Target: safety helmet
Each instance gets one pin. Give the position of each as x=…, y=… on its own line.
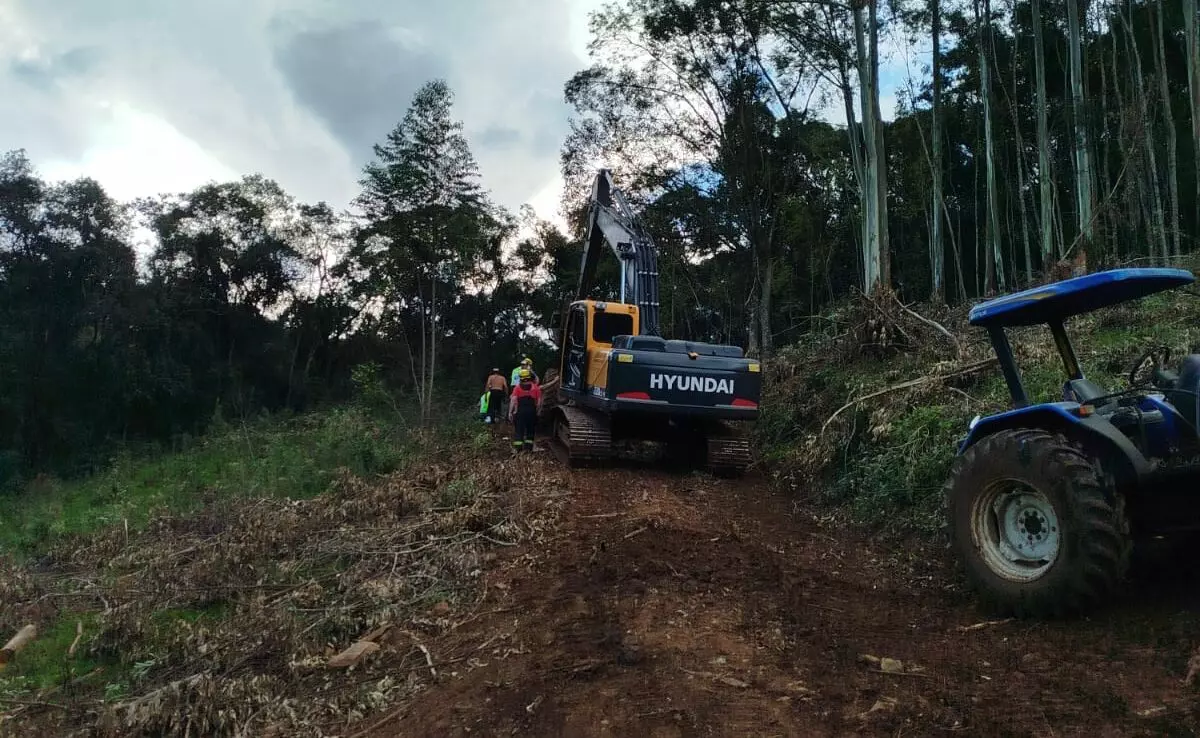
x=527, y=361
x=525, y=374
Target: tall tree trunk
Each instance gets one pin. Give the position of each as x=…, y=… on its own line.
x=1111, y=219
x=1024, y=212
x=881, y=165
x=1164, y=92
x=1132, y=213
x=1083, y=166
x=1022, y=177
x=1154, y=190
x=1144, y=217
x=995, y=275
x=752, y=330
x=764, y=306
x=982, y=255
x=869, y=93
x=432, y=347
x=857, y=158
x=1045, y=180
x=1191, y=35
x=1060, y=231
x=421, y=391
x=937, y=251
x=852, y=127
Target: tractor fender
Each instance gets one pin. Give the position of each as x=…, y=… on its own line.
x=1105, y=442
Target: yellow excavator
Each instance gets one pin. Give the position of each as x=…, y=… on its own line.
x=620, y=380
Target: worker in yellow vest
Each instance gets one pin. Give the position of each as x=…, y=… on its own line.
x=526, y=364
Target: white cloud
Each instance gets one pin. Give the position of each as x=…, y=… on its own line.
x=151, y=97
x=296, y=89
x=134, y=153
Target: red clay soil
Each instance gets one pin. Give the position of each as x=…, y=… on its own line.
x=671, y=605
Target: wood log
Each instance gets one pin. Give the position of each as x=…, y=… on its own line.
x=550, y=392
x=16, y=643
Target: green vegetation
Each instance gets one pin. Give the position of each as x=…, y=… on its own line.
x=297, y=457
x=45, y=662
x=234, y=477
x=883, y=461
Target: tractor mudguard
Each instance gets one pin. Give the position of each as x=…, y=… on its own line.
x=1118, y=454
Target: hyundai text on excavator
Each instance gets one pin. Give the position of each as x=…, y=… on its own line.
x=621, y=380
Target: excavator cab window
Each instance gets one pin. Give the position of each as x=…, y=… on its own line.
x=607, y=325
x=577, y=328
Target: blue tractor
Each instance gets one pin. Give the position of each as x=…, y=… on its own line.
x=1045, y=500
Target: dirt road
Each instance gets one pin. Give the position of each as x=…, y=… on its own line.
x=670, y=605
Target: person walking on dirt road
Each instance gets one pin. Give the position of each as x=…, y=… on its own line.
x=496, y=388
x=523, y=410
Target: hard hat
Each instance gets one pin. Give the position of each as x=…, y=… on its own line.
x=527, y=360
x=525, y=374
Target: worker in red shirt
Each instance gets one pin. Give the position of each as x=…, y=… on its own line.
x=523, y=409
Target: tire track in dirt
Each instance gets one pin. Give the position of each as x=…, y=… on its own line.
x=671, y=605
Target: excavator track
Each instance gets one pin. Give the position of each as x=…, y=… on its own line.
x=581, y=436
x=728, y=452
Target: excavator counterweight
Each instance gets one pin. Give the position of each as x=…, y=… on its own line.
x=620, y=380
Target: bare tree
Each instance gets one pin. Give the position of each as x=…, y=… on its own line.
x=936, y=248
x=1143, y=109
x=1191, y=35
x=1083, y=166
x=876, y=266
x=1045, y=177
x=1164, y=93
x=994, y=274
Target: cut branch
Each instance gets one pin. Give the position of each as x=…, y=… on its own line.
x=920, y=381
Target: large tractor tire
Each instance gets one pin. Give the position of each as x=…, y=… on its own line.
x=1037, y=527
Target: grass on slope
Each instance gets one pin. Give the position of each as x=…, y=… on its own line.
x=882, y=462
x=297, y=457
x=244, y=559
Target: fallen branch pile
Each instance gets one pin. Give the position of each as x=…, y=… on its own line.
x=911, y=384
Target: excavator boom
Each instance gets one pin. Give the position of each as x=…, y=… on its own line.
x=612, y=223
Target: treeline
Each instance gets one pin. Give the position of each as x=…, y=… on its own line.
x=1042, y=138
x=133, y=323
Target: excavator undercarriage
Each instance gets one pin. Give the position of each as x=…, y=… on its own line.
x=582, y=436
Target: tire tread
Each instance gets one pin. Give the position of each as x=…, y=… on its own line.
x=1093, y=529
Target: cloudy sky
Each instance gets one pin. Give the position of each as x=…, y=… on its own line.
x=150, y=96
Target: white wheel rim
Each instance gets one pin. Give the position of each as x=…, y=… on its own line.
x=1016, y=530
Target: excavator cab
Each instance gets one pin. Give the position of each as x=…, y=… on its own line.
x=591, y=328
x=609, y=365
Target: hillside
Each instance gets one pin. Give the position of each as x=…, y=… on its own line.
x=493, y=596
x=872, y=407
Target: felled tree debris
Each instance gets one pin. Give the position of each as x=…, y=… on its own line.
x=243, y=619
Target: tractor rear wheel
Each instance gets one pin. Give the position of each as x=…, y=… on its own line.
x=1038, y=529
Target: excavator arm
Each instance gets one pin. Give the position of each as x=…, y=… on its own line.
x=611, y=221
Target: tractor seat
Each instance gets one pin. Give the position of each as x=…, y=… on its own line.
x=1184, y=397
x=1085, y=390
